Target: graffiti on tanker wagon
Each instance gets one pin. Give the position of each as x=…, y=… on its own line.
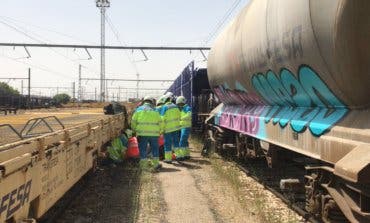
x=303, y=102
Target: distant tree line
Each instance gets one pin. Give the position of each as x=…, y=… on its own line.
x=6, y=90
x=59, y=99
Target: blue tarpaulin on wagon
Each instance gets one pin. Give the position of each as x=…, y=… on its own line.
x=183, y=83
x=191, y=83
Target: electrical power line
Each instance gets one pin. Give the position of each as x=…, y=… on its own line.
x=117, y=35
x=218, y=26
x=73, y=46
x=222, y=21
x=38, y=39
x=39, y=67
x=47, y=29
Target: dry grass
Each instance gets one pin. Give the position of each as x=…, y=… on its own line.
x=252, y=196
x=151, y=206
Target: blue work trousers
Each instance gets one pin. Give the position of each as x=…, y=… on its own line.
x=184, y=138
x=143, y=144
x=171, y=139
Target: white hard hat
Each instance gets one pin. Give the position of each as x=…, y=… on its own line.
x=169, y=94
x=180, y=100
x=161, y=100
x=149, y=99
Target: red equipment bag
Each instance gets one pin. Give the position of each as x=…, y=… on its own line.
x=161, y=140
x=133, y=148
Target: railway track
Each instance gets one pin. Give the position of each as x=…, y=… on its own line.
x=258, y=170
x=107, y=195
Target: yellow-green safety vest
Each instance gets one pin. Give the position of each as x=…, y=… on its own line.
x=147, y=121
x=171, y=117
x=185, y=120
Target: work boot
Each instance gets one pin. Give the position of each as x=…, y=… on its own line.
x=186, y=153
x=156, y=165
x=168, y=157
x=179, y=155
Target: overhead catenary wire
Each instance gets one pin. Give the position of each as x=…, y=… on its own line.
x=123, y=43
x=38, y=39
x=36, y=66
x=222, y=21
x=151, y=48
x=218, y=26
x=47, y=29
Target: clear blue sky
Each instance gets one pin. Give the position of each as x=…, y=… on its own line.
x=139, y=22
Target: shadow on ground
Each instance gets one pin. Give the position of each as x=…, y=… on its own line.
x=168, y=170
x=187, y=165
x=200, y=161
x=110, y=195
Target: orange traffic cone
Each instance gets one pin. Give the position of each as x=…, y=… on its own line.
x=133, y=148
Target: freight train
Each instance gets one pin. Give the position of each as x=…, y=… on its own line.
x=293, y=80
x=24, y=102
x=294, y=76
x=36, y=172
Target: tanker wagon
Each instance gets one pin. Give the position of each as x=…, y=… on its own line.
x=293, y=77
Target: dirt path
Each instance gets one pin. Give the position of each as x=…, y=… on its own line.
x=192, y=192
x=184, y=201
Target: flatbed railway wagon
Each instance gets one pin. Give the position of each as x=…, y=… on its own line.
x=36, y=172
x=293, y=77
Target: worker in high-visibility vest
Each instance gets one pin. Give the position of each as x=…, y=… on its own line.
x=160, y=102
x=171, y=119
x=185, y=123
x=117, y=150
x=147, y=124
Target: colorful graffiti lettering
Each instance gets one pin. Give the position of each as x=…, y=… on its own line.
x=304, y=102
x=237, y=96
x=244, y=119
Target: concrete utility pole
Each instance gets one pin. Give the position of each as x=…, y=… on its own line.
x=137, y=86
x=95, y=95
x=102, y=5
x=29, y=88
x=74, y=90
x=79, y=96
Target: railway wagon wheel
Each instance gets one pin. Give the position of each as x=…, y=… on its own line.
x=318, y=201
x=331, y=212
x=241, y=151
x=313, y=195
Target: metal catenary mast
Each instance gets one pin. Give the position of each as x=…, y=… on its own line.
x=102, y=5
